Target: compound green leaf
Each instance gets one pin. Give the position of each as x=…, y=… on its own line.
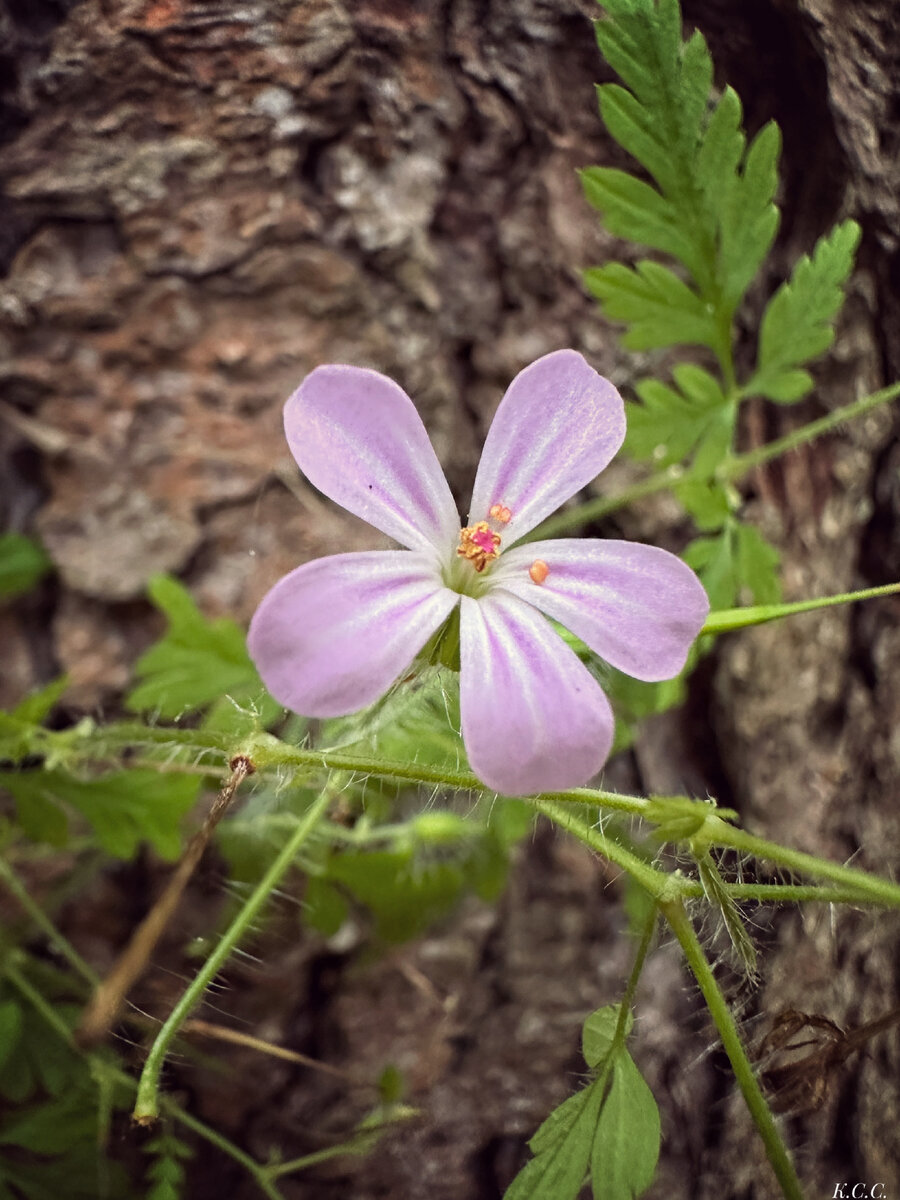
x=797, y=325
x=661, y=309
x=125, y=808
x=197, y=662
x=757, y=565
x=673, y=425
x=562, y=1150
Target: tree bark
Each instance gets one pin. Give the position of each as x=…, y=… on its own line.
x=205, y=199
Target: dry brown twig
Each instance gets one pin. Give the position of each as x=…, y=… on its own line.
x=103, y=1007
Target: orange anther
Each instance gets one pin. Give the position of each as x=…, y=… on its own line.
x=538, y=570
x=500, y=513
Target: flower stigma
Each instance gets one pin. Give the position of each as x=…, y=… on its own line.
x=479, y=544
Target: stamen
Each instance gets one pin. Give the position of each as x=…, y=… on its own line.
x=538, y=570
x=500, y=513
x=479, y=544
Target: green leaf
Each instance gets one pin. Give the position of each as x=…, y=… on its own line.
x=562, y=1149
x=635, y=211
x=747, y=217
x=41, y=817
x=626, y=1143
x=404, y=892
x=197, y=662
x=598, y=1033
x=713, y=560
x=672, y=426
x=706, y=502
x=737, y=560
x=166, y=1171
x=712, y=207
x=662, y=310
x=54, y=1127
x=34, y=709
x=797, y=325
x=757, y=565
x=23, y=564
x=10, y=1029
x=124, y=808
x=324, y=908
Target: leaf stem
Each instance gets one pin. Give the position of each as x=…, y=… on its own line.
x=871, y=887
x=63, y=947
x=734, y=469
x=98, y=1065
x=776, y=1150
x=268, y=753
x=657, y=883
x=647, y=934
x=728, y=619
x=741, y=464
x=594, y=510
x=146, y=1107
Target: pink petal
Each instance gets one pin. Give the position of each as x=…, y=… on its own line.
x=332, y=636
x=533, y=718
x=557, y=427
x=638, y=607
x=357, y=437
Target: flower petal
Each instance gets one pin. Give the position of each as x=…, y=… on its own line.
x=638, y=607
x=332, y=636
x=357, y=437
x=557, y=427
x=533, y=718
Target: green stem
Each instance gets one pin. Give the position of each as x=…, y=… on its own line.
x=267, y=752
x=734, y=469
x=657, y=883
x=780, y=893
x=762, y=1116
x=146, y=1107
x=250, y=1165
x=634, y=977
x=593, y=510
x=739, y=466
x=869, y=887
x=728, y=619
x=38, y=1003
x=46, y=926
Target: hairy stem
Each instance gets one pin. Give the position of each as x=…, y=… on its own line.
x=146, y=1108
x=777, y=1152
x=728, y=619
x=52, y=1018
x=651, y=879
x=62, y=945
x=734, y=469
x=876, y=890
x=738, y=467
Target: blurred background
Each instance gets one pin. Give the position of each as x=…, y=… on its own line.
x=201, y=201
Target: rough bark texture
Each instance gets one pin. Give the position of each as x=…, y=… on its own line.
x=206, y=199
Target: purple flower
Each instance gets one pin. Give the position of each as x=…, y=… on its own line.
x=333, y=635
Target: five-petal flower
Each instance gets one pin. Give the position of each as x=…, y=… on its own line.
x=333, y=635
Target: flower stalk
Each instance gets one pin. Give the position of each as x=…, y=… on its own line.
x=146, y=1109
